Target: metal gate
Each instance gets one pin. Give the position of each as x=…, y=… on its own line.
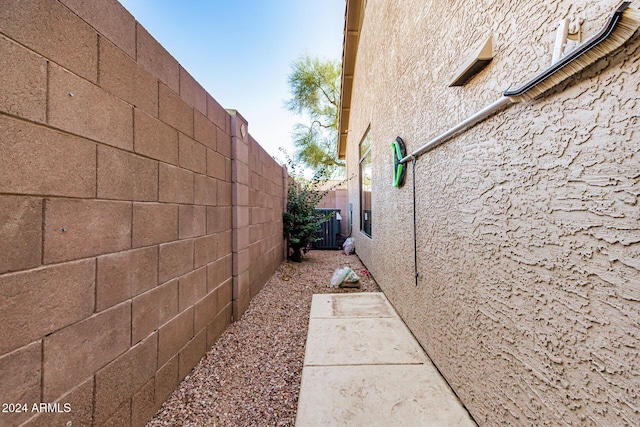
x=329, y=230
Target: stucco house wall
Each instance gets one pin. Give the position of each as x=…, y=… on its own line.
x=528, y=225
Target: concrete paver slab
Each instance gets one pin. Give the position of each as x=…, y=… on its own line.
x=383, y=395
x=363, y=367
x=364, y=304
x=361, y=342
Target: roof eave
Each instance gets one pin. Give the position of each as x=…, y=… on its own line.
x=352, y=25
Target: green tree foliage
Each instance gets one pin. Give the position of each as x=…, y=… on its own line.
x=315, y=93
x=301, y=220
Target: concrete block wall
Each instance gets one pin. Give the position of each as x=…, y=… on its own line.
x=118, y=230
x=267, y=199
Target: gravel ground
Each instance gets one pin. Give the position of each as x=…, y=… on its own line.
x=251, y=376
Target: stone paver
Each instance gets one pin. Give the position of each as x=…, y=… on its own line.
x=363, y=367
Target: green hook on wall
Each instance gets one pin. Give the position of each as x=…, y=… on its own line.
x=399, y=169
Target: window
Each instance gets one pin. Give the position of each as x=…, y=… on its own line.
x=365, y=184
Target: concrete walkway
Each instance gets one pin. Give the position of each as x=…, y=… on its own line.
x=363, y=367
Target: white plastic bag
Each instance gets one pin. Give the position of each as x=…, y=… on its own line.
x=344, y=278
x=338, y=276
x=349, y=246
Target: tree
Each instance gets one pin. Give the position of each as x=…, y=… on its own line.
x=301, y=220
x=315, y=93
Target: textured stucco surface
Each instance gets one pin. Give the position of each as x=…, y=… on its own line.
x=528, y=235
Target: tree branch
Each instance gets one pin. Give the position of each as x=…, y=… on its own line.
x=321, y=125
x=326, y=95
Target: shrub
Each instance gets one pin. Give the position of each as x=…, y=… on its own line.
x=301, y=220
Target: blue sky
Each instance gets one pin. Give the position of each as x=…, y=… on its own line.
x=241, y=51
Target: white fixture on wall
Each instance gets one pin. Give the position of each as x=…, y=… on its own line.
x=479, y=58
x=567, y=30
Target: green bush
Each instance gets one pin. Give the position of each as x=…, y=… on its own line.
x=301, y=220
